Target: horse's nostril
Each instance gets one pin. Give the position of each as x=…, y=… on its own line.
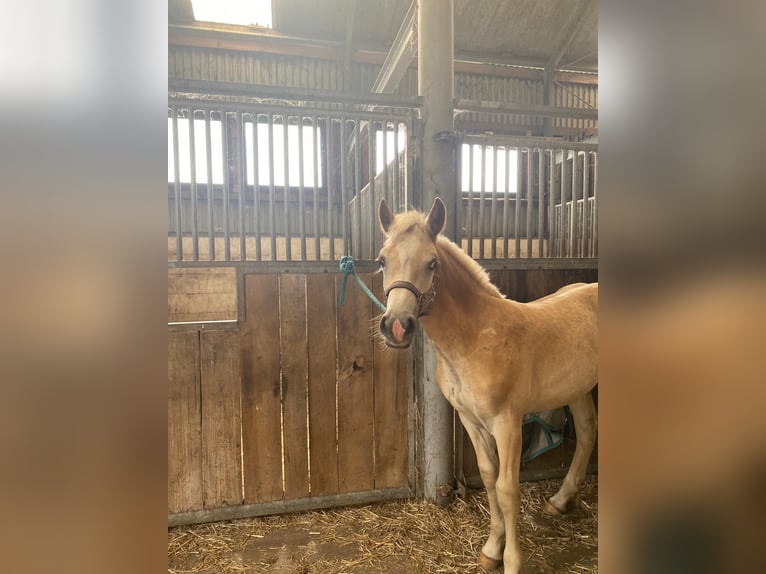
x=398, y=331
x=396, y=328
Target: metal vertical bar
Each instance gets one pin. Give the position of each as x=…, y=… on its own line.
x=286, y=194
x=226, y=181
x=210, y=198
x=301, y=190
x=507, y=200
x=272, y=192
x=493, y=208
x=530, y=186
x=242, y=181
x=193, y=186
x=357, y=250
x=397, y=205
x=315, y=147
x=469, y=217
x=330, y=179
x=595, y=204
x=540, y=199
x=562, y=210
x=370, y=218
x=482, y=197
x=551, y=201
x=344, y=187
x=586, y=232
x=517, y=205
x=385, y=192
x=177, y=187
x=460, y=199
x=573, y=211
x=256, y=194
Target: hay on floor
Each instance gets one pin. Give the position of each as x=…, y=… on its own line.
x=390, y=538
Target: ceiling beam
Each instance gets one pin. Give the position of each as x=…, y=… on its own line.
x=348, y=49
x=259, y=41
x=576, y=22
x=399, y=57
x=579, y=15
x=526, y=109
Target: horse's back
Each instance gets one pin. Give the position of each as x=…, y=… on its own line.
x=585, y=292
x=563, y=344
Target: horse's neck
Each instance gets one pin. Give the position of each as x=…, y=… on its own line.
x=463, y=305
x=463, y=277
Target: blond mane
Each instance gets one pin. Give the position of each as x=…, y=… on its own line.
x=473, y=269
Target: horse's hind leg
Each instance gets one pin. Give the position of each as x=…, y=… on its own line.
x=585, y=420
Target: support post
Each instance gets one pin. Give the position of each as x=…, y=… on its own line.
x=435, y=86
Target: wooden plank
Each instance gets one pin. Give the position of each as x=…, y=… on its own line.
x=322, y=356
x=201, y=294
x=391, y=424
x=184, y=423
x=288, y=506
x=221, y=418
x=292, y=297
x=355, y=391
x=261, y=418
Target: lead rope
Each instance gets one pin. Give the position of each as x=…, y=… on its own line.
x=347, y=266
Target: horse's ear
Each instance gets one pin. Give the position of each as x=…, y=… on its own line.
x=437, y=217
x=385, y=217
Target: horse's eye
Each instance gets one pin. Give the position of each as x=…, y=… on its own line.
x=432, y=265
x=382, y=261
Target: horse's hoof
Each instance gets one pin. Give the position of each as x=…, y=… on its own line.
x=550, y=510
x=488, y=564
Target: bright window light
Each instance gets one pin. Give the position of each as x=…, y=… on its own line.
x=200, y=152
x=495, y=178
x=243, y=12
x=395, y=143
x=309, y=158
x=295, y=156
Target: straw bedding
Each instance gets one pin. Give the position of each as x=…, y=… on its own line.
x=390, y=538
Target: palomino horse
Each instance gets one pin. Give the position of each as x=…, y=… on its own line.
x=497, y=359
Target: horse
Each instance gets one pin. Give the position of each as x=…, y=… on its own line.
x=497, y=359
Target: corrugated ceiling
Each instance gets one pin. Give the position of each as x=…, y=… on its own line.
x=528, y=32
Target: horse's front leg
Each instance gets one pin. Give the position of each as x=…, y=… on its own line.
x=507, y=433
x=486, y=456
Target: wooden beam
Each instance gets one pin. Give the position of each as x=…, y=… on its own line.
x=436, y=34
x=527, y=109
x=348, y=49
x=285, y=506
x=266, y=42
x=400, y=55
x=281, y=93
x=576, y=22
x=579, y=16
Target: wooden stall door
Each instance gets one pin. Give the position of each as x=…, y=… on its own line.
x=296, y=403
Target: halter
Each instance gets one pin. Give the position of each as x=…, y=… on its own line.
x=425, y=298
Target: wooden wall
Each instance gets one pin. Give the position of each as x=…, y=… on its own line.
x=296, y=401
x=202, y=294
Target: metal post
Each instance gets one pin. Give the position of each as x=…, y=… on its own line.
x=435, y=85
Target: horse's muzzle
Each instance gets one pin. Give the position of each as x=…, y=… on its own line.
x=398, y=331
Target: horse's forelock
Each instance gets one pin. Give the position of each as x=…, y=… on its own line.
x=407, y=223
